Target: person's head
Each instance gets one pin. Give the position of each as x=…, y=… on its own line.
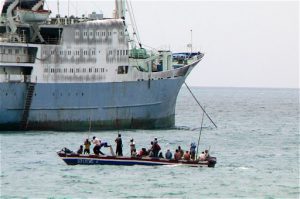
x=176, y=151
x=206, y=151
x=155, y=138
x=179, y=147
x=187, y=152
x=131, y=140
x=87, y=140
x=94, y=137
x=202, y=152
x=81, y=146
x=119, y=135
x=151, y=143
x=168, y=150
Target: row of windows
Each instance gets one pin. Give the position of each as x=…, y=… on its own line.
x=90, y=34
x=69, y=52
x=74, y=70
x=86, y=52
x=13, y=51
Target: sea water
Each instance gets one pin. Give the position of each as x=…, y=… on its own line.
x=256, y=145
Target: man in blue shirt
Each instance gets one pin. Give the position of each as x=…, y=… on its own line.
x=168, y=154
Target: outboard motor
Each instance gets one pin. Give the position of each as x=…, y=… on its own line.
x=212, y=161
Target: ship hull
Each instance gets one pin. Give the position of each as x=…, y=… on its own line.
x=78, y=107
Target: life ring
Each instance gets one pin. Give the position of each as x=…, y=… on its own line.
x=18, y=59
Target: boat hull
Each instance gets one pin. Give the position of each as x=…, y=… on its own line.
x=76, y=107
x=75, y=159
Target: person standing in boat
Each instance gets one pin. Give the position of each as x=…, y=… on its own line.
x=87, y=145
x=193, y=150
x=119, y=145
x=156, y=148
x=132, y=146
x=97, y=144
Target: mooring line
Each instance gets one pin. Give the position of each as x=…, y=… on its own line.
x=200, y=105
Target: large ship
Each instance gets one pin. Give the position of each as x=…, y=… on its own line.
x=79, y=73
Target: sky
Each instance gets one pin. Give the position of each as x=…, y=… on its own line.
x=246, y=43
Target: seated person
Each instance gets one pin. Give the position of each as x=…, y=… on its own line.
x=202, y=156
x=177, y=155
x=160, y=155
x=133, y=153
x=206, y=154
x=142, y=152
x=187, y=155
x=80, y=150
x=168, y=154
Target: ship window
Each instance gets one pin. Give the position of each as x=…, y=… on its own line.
x=9, y=51
x=90, y=70
x=17, y=51
x=69, y=52
x=77, y=34
x=117, y=52
x=65, y=70
x=123, y=52
x=91, y=34
x=84, y=70
x=85, y=34
x=122, y=69
x=25, y=51
x=77, y=70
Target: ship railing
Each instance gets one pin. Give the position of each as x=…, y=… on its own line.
x=55, y=40
x=18, y=59
x=17, y=78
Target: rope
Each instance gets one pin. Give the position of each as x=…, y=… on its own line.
x=200, y=105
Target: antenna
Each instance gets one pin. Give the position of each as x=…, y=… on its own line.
x=58, y=7
x=191, y=41
x=68, y=8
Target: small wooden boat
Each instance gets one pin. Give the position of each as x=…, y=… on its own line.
x=74, y=159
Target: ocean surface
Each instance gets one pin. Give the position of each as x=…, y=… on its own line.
x=256, y=145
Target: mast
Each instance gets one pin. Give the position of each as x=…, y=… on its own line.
x=119, y=9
